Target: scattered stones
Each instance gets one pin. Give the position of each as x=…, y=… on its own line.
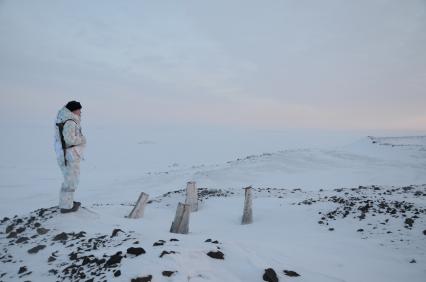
x=168, y=273
x=358, y=204
x=291, y=273
x=36, y=249
x=216, y=255
x=135, y=251
x=270, y=275
x=142, y=279
x=372, y=201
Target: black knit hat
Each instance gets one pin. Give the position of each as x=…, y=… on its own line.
x=73, y=106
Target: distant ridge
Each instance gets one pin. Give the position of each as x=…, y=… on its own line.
x=408, y=141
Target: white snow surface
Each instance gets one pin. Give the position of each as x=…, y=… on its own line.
x=285, y=234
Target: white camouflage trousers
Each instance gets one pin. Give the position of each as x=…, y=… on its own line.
x=71, y=173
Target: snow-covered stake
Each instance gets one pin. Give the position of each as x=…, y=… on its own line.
x=181, y=222
x=139, y=208
x=248, y=213
x=192, y=196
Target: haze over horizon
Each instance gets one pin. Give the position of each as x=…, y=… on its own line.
x=325, y=65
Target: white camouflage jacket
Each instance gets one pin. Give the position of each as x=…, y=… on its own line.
x=72, y=136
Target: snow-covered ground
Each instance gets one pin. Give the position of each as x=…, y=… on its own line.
x=331, y=213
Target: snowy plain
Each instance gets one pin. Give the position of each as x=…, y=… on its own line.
x=297, y=181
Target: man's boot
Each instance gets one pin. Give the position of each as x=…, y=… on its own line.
x=75, y=207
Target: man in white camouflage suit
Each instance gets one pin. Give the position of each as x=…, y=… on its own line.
x=69, y=145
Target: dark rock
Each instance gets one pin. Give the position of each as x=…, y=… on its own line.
x=424, y=232
x=22, y=269
x=215, y=242
x=12, y=234
x=216, y=255
x=99, y=261
x=115, y=232
x=42, y=231
x=167, y=253
x=36, y=249
x=20, y=230
x=409, y=222
x=413, y=261
x=37, y=224
x=360, y=230
x=117, y=273
x=174, y=240
x=135, y=251
x=22, y=240
x=10, y=228
x=168, y=273
x=51, y=259
x=159, y=243
x=113, y=260
x=291, y=273
x=61, y=237
x=331, y=229
x=53, y=271
x=79, y=235
x=87, y=260
x=73, y=256
x=208, y=241
x=142, y=279
x=270, y=275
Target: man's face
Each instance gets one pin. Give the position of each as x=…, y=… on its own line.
x=77, y=112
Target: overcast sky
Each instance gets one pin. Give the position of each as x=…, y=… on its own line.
x=261, y=64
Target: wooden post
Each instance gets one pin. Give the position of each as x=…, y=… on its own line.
x=192, y=195
x=139, y=208
x=181, y=223
x=248, y=212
